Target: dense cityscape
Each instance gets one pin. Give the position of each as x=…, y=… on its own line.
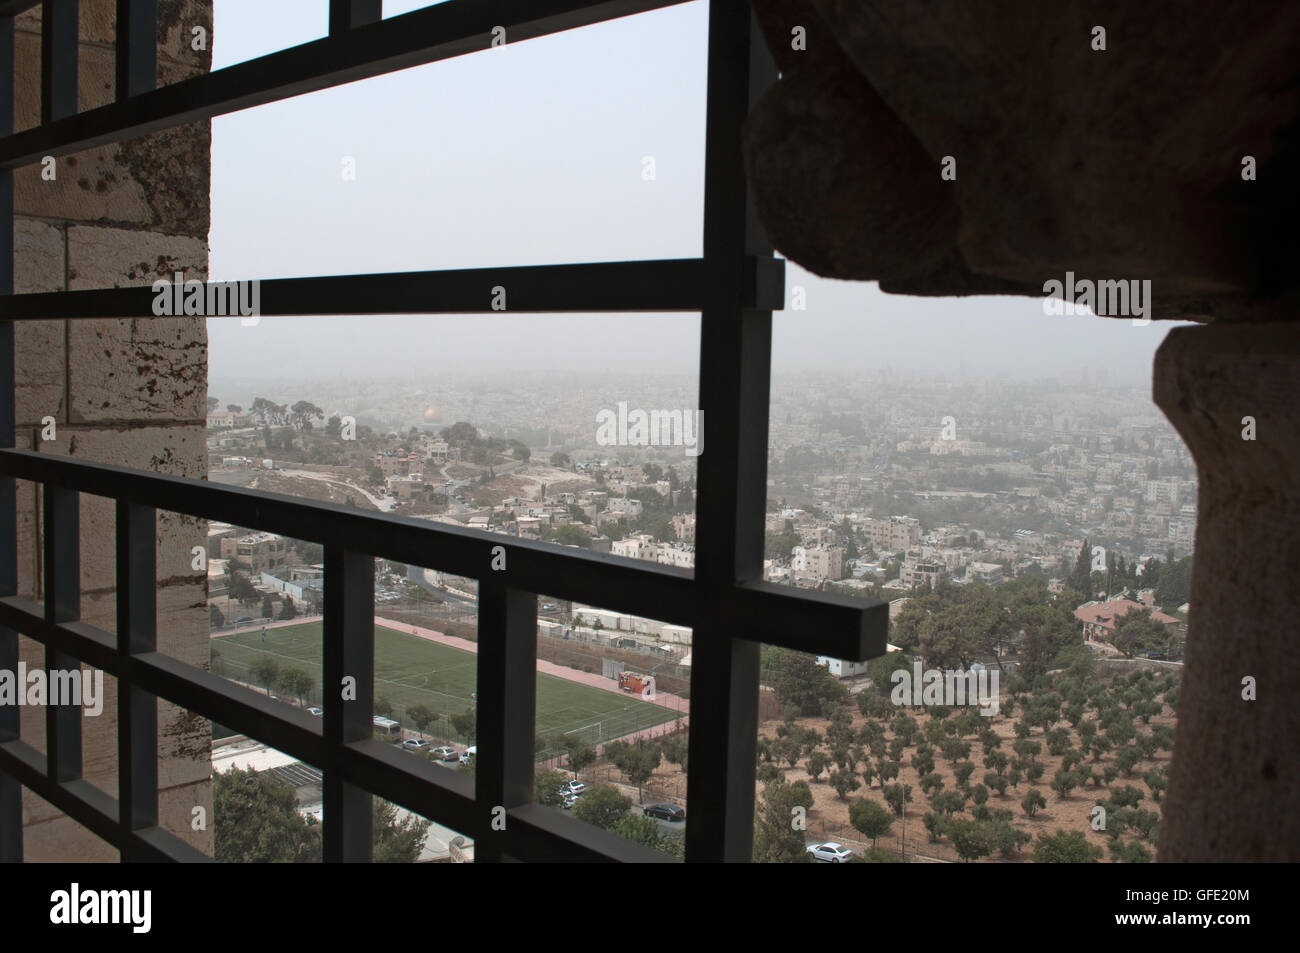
x=1032, y=527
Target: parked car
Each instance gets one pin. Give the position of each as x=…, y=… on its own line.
x=667, y=812
x=574, y=787
x=467, y=756
x=830, y=853
x=446, y=753
x=243, y=619
x=415, y=744
x=568, y=800
x=317, y=712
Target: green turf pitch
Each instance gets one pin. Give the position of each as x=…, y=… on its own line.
x=411, y=671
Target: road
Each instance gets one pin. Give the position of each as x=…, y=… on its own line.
x=385, y=505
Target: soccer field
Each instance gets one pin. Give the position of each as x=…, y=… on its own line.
x=411, y=671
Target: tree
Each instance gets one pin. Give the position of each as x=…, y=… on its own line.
x=970, y=839
x=897, y=796
x=288, y=610
x=581, y=754
x=931, y=782
x=560, y=460
x=294, y=681
x=268, y=607
x=1032, y=801
x=1065, y=847
x=602, y=806
x=637, y=762
x=395, y=841
x=465, y=723
x=948, y=802
x=805, y=685
x=638, y=829
x=256, y=819
x=1136, y=631
x=570, y=535
x=546, y=786
x=778, y=838
x=213, y=404
x=844, y=782
x=241, y=589
x=1063, y=782
x=1081, y=577
x=303, y=412
x=817, y=763
x=870, y=820
x=421, y=716
x=264, y=669
x=215, y=619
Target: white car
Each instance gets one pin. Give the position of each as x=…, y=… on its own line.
x=316, y=712
x=568, y=800
x=467, y=756
x=415, y=744
x=574, y=787
x=830, y=853
x=446, y=753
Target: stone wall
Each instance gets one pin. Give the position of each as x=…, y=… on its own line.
x=126, y=392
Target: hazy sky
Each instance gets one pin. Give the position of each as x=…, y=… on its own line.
x=532, y=153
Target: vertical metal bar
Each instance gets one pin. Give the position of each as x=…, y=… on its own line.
x=62, y=604
x=136, y=47
x=348, y=692
x=58, y=59
x=506, y=709
x=137, y=627
x=735, y=348
x=346, y=14
x=11, y=801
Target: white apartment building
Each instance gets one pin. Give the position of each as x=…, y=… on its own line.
x=894, y=533
x=824, y=562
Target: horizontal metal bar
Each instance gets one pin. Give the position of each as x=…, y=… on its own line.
x=675, y=284
x=819, y=622
x=615, y=582
x=92, y=809
x=542, y=834
x=442, y=794
x=827, y=624
x=433, y=33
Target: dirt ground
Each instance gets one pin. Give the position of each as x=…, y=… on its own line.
x=829, y=817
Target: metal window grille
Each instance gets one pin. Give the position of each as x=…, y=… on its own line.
x=735, y=286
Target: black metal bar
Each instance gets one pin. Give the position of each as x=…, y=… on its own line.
x=624, y=584
x=543, y=834
x=624, y=286
x=834, y=625
x=58, y=60
x=347, y=14
x=735, y=350
x=137, y=710
x=347, y=688
x=11, y=800
x=423, y=36
x=735, y=286
x=506, y=706
x=136, y=47
x=92, y=808
x=62, y=604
